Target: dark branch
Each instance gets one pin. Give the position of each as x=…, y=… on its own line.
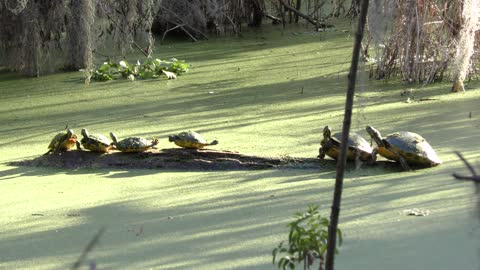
x=347, y=119
x=300, y=14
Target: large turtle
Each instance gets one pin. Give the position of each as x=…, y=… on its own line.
x=133, y=144
x=96, y=142
x=358, y=147
x=405, y=147
x=190, y=139
x=63, y=141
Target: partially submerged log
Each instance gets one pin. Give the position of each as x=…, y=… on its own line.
x=170, y=159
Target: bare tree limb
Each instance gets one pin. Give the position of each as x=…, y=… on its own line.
x=123, y=31
x=300, y=14
x=342, y=159
x=274, y=19
x=170, y=29
x=185, y=24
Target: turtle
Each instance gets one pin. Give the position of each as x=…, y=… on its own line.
x=358, y=147
x=63, y=141
x=133, y=144
x=190, y=139
x=96, y=142
x=408, y=148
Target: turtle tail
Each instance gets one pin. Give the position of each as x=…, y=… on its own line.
x=215, y=142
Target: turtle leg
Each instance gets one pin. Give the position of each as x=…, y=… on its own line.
x=402, y=161
x=78, y=145
x=56, y=149
x=321, y=153
x=373, y=157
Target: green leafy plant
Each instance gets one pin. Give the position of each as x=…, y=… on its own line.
x=307, y=241
x=149, y=69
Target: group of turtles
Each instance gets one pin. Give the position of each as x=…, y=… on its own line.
x=67, y=140
x=407, y=148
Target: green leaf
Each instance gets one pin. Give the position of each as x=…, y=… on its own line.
x=104, y=67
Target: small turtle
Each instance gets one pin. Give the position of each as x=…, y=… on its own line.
x=358, y=147
x=133, y=144
x=63, y=141
x=405, y=147
x=190, y=139
x=96, y=142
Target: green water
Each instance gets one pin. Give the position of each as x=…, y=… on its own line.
x=267, y=93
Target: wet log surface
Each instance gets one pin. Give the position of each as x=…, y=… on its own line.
x=168, y=159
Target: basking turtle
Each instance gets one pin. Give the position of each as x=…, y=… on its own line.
x=358, y=147
x=190, y=139
x=96, y=142
x=405, y=147
x=63, y=141
x=133, y=144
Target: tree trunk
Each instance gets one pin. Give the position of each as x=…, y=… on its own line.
x=465, y=44
x=342, y=160
x=298, y=6
x=31, y=40
x=80, y=35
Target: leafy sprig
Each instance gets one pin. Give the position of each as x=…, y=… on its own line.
x=149, y=69
x=307, y=240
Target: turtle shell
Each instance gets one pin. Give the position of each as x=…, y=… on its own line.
x=63, y=141
x=135, y=144
x=411, y=146
x=190, y=139
x=357, y=147
x=95, y=142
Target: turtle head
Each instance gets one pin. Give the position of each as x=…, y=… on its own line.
x=84, y=133
x=327, y=132
x=172, y=138
x=71, y=137
x=114, y=138
x=375, y=134
x=69, y=133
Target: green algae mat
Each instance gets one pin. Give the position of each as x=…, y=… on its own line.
x=267, y=95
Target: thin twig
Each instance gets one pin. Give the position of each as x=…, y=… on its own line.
x=185, y=24
x=88, y=248
x=123, y=31
x=170, y=29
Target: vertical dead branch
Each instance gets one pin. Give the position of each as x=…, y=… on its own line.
x=342, y=160
x=298, y=6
